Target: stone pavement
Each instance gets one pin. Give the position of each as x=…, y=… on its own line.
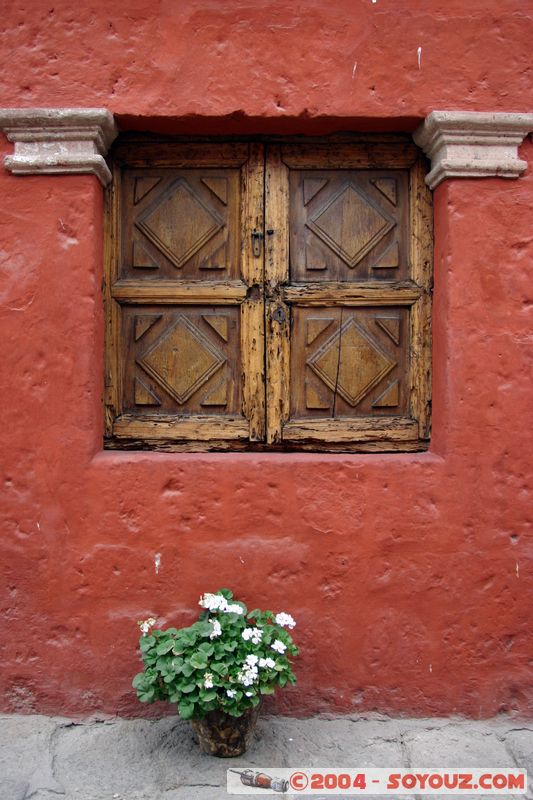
x=51, y=758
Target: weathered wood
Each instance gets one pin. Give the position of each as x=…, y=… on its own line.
x=187, y=357
x=352, y=218
x=113, y=371
x=180, y=224
x=169, y=445
x=181, y=343
x=422, y=272
x=277, y=312
x=354, y=362
x=198, y=320
x=252, y=310
x=178, y=155
x=182, y=292
x=201, y=428
x=352, y=294
x=348, y=225
x=364, y=155
x=397, y=429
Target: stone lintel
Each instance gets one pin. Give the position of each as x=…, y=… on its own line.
x=473, y=144
x=58, y=141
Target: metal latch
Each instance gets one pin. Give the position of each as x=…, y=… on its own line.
x=278, y=315
x=257, y=238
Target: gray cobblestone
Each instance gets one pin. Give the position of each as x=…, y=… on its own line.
x=44, y=758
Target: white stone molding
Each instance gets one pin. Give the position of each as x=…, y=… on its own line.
x=58, y=141
x=472, y=144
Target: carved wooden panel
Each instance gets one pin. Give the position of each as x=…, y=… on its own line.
x=182, y=359
x=349, y=362
x=348, y=225
x=269, y=293
x=185, y=316
x=181, y=224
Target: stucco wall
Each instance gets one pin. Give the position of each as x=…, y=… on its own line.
x=409, y=574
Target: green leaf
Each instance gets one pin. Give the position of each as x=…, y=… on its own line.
x=138, y=682
x=207, y=697
x=198, y=661
x=227, y=593
x=164, y=664
x=206, y=648
x=267, y=689
x=164, y=647
x=187, y=670
x=186, y=709
x=151, y=675
x=203, y=629
x=146, y=696
x=187, y=638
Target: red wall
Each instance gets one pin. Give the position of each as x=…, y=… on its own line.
x=408, y=574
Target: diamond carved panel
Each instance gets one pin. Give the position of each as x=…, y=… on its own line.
x=351, y=362
x=179, y=223
x=350, y=224
x=182, y=359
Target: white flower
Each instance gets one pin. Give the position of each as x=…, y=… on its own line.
x=267, y=662
x=285, y=620
x=248, y=673
x=213, y=602
x=146, y=625
x=208, y=680
x=231, y=692
x=217, y=602
x=252, y=660
x=254, y=634
x=249, y=694
x=217, y=630
x=247, y=677
x=234, y=608
x=279, y=646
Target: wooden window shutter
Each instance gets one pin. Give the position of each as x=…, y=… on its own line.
x=305, y=263
x=186, y=328
x=348, y=306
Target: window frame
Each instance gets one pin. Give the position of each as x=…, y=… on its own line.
x=268, y=410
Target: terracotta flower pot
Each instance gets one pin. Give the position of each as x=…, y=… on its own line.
x=222, y=735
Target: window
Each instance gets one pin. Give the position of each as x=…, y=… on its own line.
x=268, y=294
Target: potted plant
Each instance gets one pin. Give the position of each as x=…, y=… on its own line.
x=218, y=669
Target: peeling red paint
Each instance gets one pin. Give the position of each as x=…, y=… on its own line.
x=409, y=575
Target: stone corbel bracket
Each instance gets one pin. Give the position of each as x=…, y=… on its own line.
x=59, y=141
x=470, y=144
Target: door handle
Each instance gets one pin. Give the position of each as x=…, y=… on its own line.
x=257, y=238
